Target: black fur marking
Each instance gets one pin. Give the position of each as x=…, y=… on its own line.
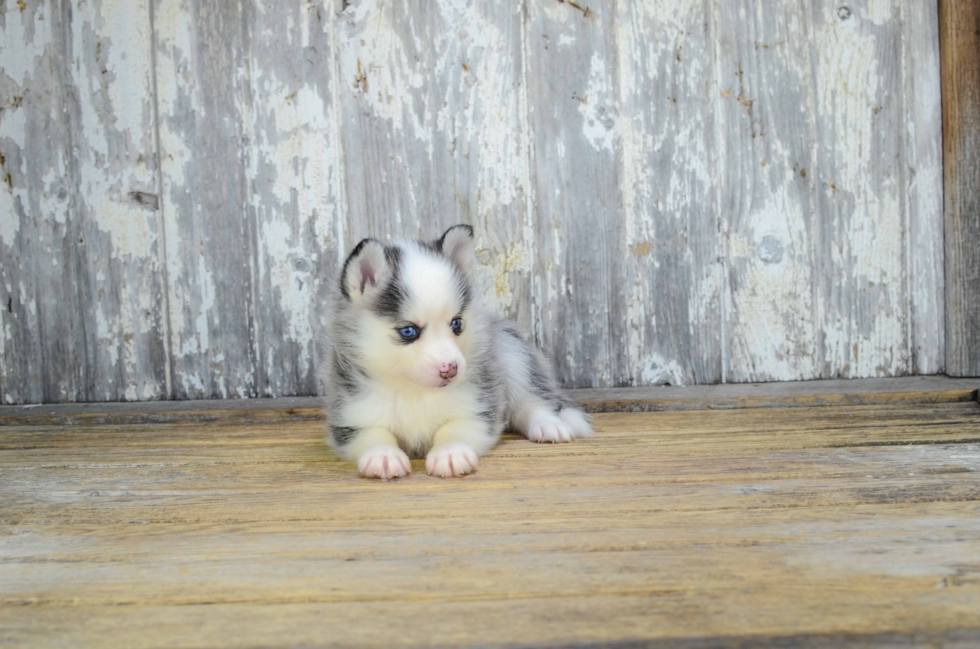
x=430, y=246
x=462, y=288
x=391, y=298
x=393, y=256
x=345, y=374
x=353, y=253
x=342, y=434
x=442, y=240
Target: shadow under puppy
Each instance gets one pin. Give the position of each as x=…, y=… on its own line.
x=413, y=365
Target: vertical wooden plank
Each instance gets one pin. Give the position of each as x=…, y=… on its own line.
x=861, y=188
x=42, y=355
x=119, y=286
x=295, y=184
x=765, y=106
x=575, y=122
x=202, y=92
x=433, y=134
x=669, y=276
x=959, y=23
x=924, y=157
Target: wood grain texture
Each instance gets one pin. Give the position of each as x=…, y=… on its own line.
x=670, y=287
x=41, y=344
x=959, y=24
x=43, y=339
x=83, y=320
x=296, y=191
x=861, y=191
x=687, y=192
x=574, y=119
x=202, y=73
x=764, y=96
x=924, y=156
x=433, y=113
x=762, y=526
x=111, y=118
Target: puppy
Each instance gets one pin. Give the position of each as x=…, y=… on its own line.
x=413, y=366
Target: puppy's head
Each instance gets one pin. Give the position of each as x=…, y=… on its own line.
x=413, y=300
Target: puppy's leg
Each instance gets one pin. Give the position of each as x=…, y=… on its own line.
x=377, y=454
x=537, y=407
x=456, y=447
x=539, y=422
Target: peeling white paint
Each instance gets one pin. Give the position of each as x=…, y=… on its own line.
x=871, y=252
x=659, y=371
x=375, y=120
x=879, y=12
x=32, y=37
x=498, y=292
x=771, y=316
x=366, y=66
x=599, y=108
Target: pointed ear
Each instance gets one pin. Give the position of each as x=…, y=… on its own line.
x=457, y=244
x=365, y=270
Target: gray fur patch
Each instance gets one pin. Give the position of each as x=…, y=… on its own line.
x=342, y=434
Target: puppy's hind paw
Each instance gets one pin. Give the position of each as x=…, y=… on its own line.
x=451, y=460
x=551, y=429
x=384, y=462
x=547, y=426
x=578, y=421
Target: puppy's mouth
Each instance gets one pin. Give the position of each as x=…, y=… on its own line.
x=444, y=383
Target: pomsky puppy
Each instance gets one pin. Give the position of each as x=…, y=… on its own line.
x=413, y=366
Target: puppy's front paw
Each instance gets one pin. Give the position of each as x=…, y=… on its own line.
x=548, y=427
x=451, y=460
x=385, y=462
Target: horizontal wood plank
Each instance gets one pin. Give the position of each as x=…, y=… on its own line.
x=893, y=391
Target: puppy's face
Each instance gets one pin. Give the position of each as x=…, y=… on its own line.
x=413, y=301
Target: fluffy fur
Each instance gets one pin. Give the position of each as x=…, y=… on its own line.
x=446, y=390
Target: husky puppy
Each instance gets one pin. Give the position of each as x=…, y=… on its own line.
x=413, y=366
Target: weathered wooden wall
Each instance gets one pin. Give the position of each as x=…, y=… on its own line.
x=682, y=191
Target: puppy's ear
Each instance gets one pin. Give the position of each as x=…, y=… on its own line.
x=457, y=245
x=366, y=270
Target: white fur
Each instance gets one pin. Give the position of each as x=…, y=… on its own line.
x=411, y=416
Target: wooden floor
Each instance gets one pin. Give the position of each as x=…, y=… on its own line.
x=807, y=526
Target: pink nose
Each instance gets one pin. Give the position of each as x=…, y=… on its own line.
x=447, y=370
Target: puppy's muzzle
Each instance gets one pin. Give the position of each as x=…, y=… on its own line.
x=447, y=370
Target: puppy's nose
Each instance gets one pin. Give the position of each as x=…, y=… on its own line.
x=447, y=370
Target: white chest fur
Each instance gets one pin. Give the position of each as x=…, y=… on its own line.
x=411, y=415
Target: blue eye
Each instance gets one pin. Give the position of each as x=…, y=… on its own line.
x=409, y=333
x=457, y=326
